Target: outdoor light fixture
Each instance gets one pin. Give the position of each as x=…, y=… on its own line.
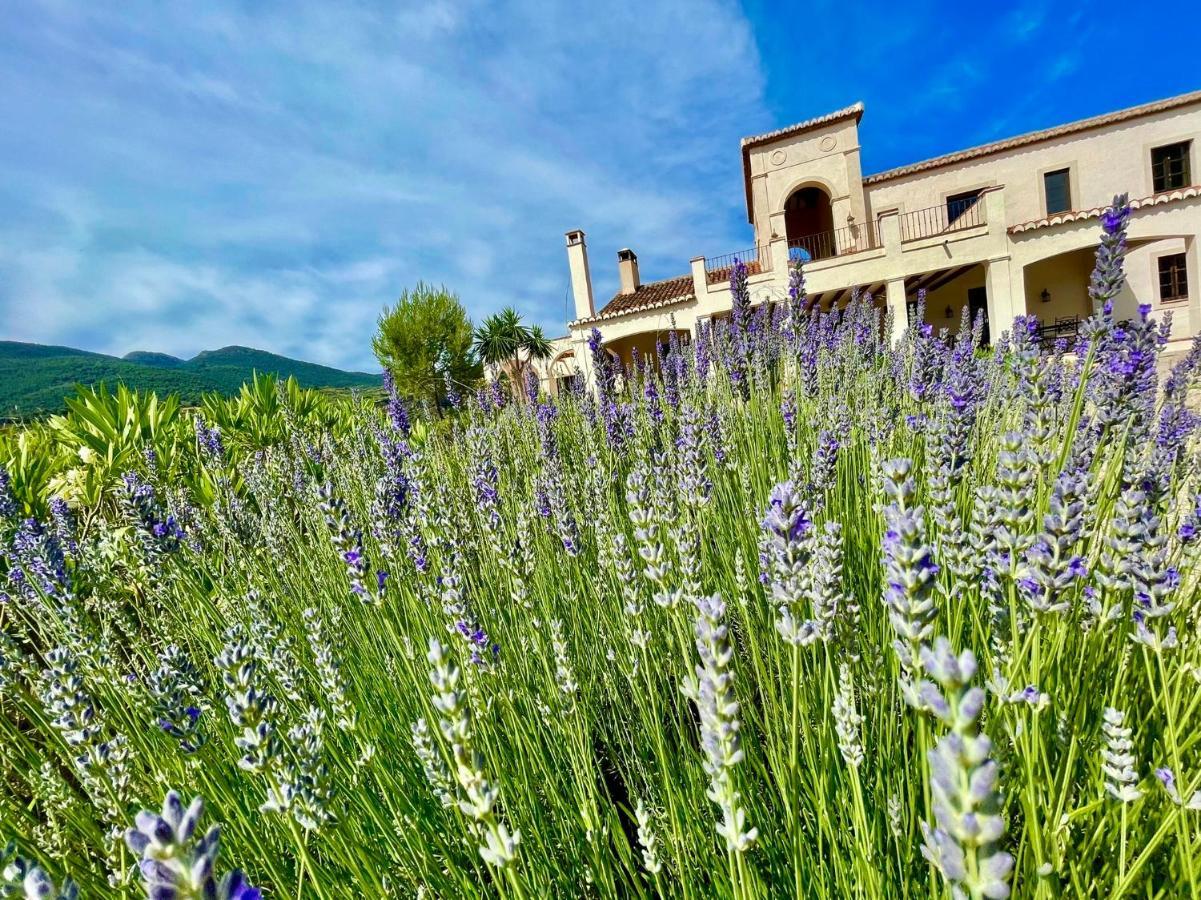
x=950, y=312
x=1045, y=295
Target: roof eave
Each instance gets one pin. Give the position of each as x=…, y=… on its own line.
x=855, y=110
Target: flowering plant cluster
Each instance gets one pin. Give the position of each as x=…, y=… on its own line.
x=787, y=608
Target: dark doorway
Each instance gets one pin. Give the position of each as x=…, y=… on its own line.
x=809, y=222
x=977, y=302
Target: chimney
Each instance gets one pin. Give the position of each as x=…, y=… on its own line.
x=627, y=270
x=581, y=278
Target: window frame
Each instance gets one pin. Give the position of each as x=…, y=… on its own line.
x=1187, y=143
x=948, y=199
x=1181, y=279
x=1069, y=174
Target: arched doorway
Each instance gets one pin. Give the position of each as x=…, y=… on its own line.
x=809, y=223
x=563, y=373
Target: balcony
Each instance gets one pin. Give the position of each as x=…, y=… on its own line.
x=951, y=217
x=839, y=242
x=718, y=268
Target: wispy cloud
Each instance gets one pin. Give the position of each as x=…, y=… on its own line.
x=181, y=180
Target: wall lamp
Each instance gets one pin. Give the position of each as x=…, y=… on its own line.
x=1045, y=295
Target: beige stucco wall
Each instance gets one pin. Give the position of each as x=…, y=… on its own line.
x=1101, y=163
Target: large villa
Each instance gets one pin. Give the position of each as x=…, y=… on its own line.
x=1006, y=228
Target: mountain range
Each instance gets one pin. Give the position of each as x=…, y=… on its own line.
x=35, y=378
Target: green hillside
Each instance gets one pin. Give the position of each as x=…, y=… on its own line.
x=150, y=358
x=34, y=378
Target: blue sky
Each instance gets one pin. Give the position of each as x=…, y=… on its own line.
x=179, y=177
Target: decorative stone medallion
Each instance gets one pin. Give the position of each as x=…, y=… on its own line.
x=778, y=157
x=828, y=143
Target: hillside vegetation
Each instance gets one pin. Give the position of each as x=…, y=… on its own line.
x=35, y=378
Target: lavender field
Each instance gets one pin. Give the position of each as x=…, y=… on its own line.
x=795, y=613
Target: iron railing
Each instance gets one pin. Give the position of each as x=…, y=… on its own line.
x=1066, y=328
x=839, y=242
x=944, y=219
x=718, y=268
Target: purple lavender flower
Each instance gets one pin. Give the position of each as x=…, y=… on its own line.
x=175, y=863
x=348, y=542
x=1108, y=276
x=397, y=414
x=8, y=503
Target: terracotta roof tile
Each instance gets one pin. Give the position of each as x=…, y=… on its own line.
x=855, y=109
x=1186, y=193
x=648, y=296
x=1033, y=137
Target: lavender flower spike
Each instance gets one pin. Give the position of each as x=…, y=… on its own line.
x=909, y=573
x=964, y=844
x=20, y=877
x=177, y=866
x=712, y=690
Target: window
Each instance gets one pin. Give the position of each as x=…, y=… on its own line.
x=1058, y=191
x=1173, y=279
x=958, y=204
x=1169, y=167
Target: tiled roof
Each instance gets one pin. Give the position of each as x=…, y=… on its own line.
x=1083, y=214
x=648, y=296
x=855, y=110
x=1034, y=137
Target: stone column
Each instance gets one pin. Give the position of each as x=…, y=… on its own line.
x=897, y=305
x=1006, y=296
x=1192, y=273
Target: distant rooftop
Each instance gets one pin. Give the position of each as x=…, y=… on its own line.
x=648, y=296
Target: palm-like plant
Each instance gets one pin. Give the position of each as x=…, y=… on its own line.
x=502, y=339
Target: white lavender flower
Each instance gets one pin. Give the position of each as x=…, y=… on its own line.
x=909, y=573
x=310, y=790
x=648, y=535
x=432, y=764
x=67, y=702
x=691, y=464
x=646, y=840
x=272, y=646
x=564, y=676
x=1117, y=760
x=847, y=720
x=964, y=844
x=478, y=796
x=712, y=690
x=250, y=706
x=328, y=671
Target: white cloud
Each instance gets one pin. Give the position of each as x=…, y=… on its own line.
x=273, y=177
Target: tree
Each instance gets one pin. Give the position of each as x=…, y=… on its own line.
x=423, y=339
x=504, y=341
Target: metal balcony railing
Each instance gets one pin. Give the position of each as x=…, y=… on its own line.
x=950, y=217
x=839, y=242
x=718, y=268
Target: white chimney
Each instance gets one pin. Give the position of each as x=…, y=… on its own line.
x=627, y=270
x=581, y=278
